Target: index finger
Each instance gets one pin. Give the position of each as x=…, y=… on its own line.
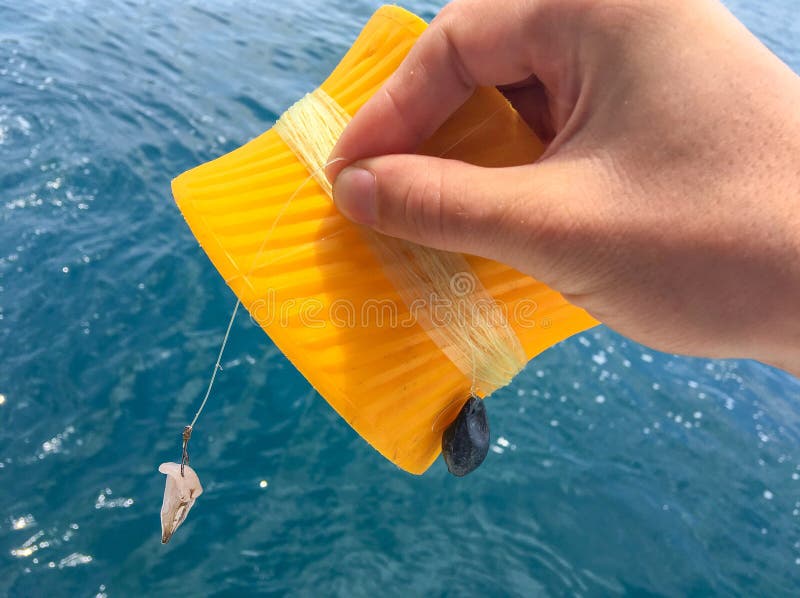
x=471, y=43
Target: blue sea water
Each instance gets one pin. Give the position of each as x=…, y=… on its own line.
x=614, y=469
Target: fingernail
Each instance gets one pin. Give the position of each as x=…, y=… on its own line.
x=354, y=195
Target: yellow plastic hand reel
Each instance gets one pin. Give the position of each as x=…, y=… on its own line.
x=312, y=285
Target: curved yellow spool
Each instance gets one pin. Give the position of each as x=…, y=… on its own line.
x=308, y=277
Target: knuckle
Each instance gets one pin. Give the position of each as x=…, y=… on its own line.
x=394, y=97
x=422, y=206
x=446, y=30
x=546, y=226
x=450, y=12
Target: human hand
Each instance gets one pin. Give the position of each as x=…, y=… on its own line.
x=667, y=203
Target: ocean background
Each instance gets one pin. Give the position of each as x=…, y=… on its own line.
x=614, y=469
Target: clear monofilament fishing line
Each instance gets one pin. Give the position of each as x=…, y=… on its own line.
x=187, y=431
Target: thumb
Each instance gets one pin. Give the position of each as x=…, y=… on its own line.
x=506, y=214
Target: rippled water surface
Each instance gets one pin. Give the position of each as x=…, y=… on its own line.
x=614, y=469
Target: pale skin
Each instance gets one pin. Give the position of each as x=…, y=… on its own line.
x=667, y=203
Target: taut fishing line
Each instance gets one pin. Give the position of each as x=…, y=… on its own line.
x=187, y=431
